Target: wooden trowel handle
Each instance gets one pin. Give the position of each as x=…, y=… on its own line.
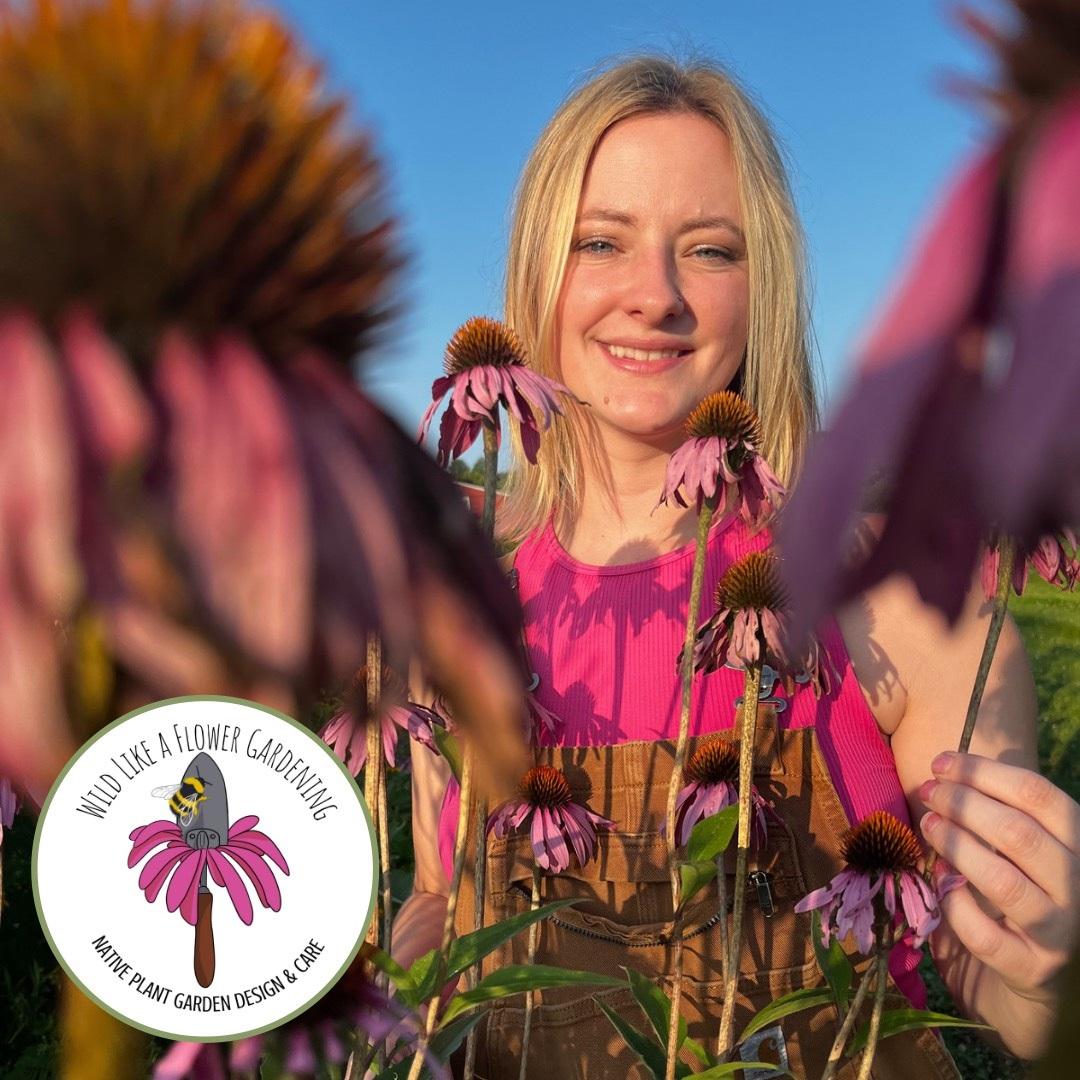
x=205, y=960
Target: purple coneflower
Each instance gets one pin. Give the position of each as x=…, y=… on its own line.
x=749, y=626
x=9, y=805
x=1055, y=559
x=557, y=823
x=346, y=731
x=187, y=465
x=713, y=772
x=485, y=368
x=721, y=458
x=247, y=851
x=882, y=856
x=354, y=1005
x=966, y=396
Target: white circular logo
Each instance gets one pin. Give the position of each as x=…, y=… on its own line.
x=204, y=868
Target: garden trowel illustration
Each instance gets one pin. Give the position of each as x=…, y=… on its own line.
x=203, y=817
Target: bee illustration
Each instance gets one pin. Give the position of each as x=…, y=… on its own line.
x=184, y=798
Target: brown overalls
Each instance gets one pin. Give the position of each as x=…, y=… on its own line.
x=626, y=911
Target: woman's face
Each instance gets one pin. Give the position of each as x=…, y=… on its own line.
x=653, y=307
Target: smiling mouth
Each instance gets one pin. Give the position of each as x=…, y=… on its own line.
x=644, y=355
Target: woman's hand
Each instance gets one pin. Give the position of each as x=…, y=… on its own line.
x=1016, y=838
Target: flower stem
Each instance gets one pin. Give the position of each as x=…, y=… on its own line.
x=475, y=973
x=491, y=478
x=846, y=1028
x=747, y=733
x=686, y=672
x=373, y=770
x=882, y=967
x=1006, y=562
x=534, y=938
x=460, y=837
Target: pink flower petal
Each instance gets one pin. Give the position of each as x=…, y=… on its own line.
x=115, y=415
x=224, y=874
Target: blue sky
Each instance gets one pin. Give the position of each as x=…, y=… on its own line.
x=455, y=95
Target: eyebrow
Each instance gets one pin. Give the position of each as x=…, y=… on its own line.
x=621, y=218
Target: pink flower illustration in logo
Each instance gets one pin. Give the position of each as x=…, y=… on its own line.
x=200, y=844
x=248, y=852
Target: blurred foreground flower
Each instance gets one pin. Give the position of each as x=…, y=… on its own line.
x=882, y=856
x=9, y=805
x=355, y=1006
x=720, y=459
x=545, y=805
x=485, y=368
x=982, y=338
x=195, y=497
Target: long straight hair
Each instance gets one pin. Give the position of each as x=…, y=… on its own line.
x=776, y=376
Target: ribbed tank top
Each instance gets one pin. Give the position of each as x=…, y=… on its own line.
x=604, y=640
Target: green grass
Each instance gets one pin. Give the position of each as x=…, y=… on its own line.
x=1049, y=621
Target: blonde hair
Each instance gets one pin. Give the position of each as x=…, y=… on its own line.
x=776, y=376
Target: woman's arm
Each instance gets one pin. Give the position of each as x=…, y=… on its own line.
x=1014, y=835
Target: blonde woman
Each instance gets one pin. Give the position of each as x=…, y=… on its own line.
x=655, y=256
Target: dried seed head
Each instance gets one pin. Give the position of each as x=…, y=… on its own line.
x=178, y=164
x=881, y=842
x=482, y=341
x=752, y=582
x=715, y=761
x=544, y=785
x=726, y=415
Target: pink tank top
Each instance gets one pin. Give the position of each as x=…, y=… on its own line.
x=603, y=641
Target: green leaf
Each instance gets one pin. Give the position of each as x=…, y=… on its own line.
x=710, y=837
x=656, y=1006
x=450, y=1036
x=519, y=978
x=654, y=1057
x=705, y=1056
x=425, y=975
x=450, y=749
x=809, y=998
x=695, y=876
x=402, y=979
x=833, y=961
x=730, y=1068
x=466, y=950
x=385, y=963
x=895, y=1021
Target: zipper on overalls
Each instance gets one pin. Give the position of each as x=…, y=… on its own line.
x=760, y=880
x=554, y=919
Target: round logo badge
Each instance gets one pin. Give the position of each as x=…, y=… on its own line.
x=204, y=868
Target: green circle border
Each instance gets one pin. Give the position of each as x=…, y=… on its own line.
x=176, y=1037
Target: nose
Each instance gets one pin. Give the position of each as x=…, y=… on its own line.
x=652, y=288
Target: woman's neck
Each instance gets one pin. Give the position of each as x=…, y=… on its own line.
x=618, y=519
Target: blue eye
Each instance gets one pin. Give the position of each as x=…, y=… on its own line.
x=591, y=246
x=715, y=254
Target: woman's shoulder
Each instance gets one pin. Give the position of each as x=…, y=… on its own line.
x=902, y=648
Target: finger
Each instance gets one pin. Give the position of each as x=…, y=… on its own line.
x=1000, y=881
x=987, y=940
x=1021, y=788
x=1013, y=833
